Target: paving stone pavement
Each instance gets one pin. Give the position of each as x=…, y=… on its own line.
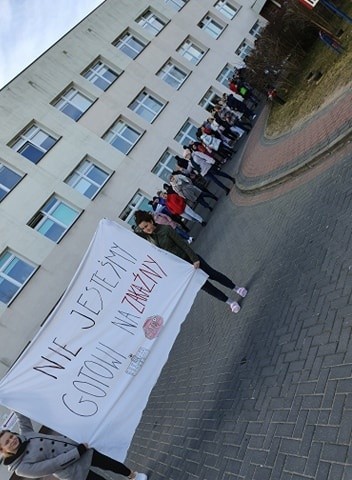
x=267, y=393
x=266, y=160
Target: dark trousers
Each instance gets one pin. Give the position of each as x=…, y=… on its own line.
x=213, y=173
x=106, y=463
x=203, y=195
x=218, y=277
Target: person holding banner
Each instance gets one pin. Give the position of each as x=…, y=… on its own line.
x=165, y=238
x=32, y=455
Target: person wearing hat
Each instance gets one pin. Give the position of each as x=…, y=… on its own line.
x=32, y=455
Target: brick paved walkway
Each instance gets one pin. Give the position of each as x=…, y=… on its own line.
x=266, y=160
x=265, y=394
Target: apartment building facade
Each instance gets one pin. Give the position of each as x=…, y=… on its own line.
x=90, y=130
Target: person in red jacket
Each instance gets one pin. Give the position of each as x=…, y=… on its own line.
x=178, y=206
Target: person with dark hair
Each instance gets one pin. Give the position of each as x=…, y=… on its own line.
x=178, y=206
x=238, y=105
x=213, y=144
x=205, y=166
x=227, y=117
x=183, y=186
x=236, y=86
x=165, y=238
x=32, y=455
x=158, y=205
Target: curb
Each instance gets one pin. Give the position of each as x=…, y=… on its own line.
x=307, y=160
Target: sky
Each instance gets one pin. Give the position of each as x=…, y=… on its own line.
x=29, y=27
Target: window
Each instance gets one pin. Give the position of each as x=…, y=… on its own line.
x=210, y=99
x=14, y=274
x=8, y=180
x=138, y=202
x=147, y=106
x=54, y=219
x=165, y=166
x=87, y=178
x=225, y=75
x=211, y=26
x=101, y=75
x=187, y=133
x=227, y=8
x=73, y=103
x=130, y=45
x=192, y=51
x=34, y=143
x=176, y=4
x=172, y=75
x=244, y=49
x=150, y=22
x=256, y=30
x=122, y=136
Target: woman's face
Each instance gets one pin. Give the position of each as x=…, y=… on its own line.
x=9, y=443
x=147, y=227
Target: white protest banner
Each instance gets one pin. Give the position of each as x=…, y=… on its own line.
x=90, y=369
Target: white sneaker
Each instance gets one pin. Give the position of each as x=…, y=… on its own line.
x=140, y=476
x=190, y=240
x=235, y=308
x=241, y=291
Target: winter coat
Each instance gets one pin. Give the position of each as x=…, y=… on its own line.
x=211, y=141
x=184, y=187
x=167, y=239
x=48, y=455
x=203, y=161
x=175, y=204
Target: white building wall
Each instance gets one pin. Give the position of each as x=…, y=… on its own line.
x=28, y=98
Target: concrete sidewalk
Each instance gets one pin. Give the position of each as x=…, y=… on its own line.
x=265, y=394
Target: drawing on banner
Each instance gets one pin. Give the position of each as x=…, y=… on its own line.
x=137, y=361
x=152, y=326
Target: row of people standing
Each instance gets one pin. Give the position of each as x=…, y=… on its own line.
x=199, y=166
